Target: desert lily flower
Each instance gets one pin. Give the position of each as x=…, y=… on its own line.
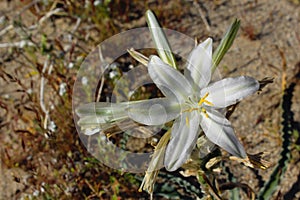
x=194, y=104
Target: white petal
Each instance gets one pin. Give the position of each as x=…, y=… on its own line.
x=92, y=131
x=229, y=91
x=170, y=81
x=199, y=65
x=183, y=140
x=104, y=111
x=154, y=111
x=219, y=130
x=89, y=123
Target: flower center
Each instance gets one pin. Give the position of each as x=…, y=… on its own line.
x=199, y=106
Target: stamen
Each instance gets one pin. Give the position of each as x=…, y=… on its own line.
x=208, y=103
x=205, y=113
x=187, y=121
x=203, y=100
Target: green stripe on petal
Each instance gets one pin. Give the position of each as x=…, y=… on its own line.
x=184, y=136
x=219, y=131
x=161, y=42
x=229, y=91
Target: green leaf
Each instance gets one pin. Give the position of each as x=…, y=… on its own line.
x=226, y=43
x=161, y=42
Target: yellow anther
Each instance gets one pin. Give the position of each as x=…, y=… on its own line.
x=206, y=95
x=187, y=121
x=203, y=100
x=204, y=111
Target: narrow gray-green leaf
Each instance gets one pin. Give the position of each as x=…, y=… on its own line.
x=225, y=44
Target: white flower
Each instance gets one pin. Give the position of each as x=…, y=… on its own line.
x=84, y=80
x=62, y=89
x=193, y=103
